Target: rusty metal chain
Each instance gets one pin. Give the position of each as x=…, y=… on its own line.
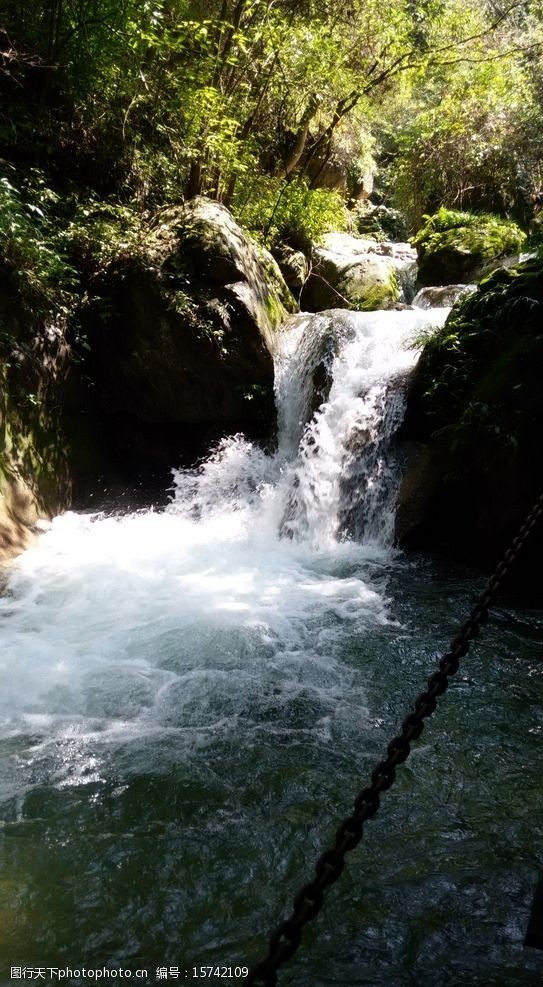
x=310, y=898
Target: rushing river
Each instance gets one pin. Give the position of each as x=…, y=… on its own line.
x=190, y=699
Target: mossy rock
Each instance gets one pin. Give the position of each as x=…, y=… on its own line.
x=350, y=272
x=488, y=337
x=383, y=293
x=183, y=333
x=456, y=246
x=34, y=451
x=202, y=243
x=476, y=402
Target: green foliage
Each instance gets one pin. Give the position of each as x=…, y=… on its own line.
x=292, y=212
x=31, y=254
x=100, y=233
x=468, y=132
x=380, y=223
x=37, y=294
x=177, y=97
x=248, y=101
x=458, y=246
x=480, y=234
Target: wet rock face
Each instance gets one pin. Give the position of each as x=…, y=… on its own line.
x=184, y=334
x=474, y=414
x=443, y=296
x=16, y=530
x=362, y=274
x=294, y=267
x=34, y=455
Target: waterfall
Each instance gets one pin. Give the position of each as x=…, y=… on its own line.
x=190, y=697
x=340, y=394
x=118, y=628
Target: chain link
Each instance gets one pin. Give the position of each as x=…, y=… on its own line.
x=310, y=898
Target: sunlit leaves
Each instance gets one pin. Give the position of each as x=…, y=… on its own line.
x=185, y=96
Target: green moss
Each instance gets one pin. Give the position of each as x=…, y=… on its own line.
x=452, y=245
x=479, y=375
x=380, y=295
x=33, y=447
x=275, y=279
x=481, y=234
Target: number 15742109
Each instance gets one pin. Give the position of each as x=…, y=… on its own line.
x=220, y=971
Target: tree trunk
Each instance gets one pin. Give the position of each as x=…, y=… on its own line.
x=298, y=147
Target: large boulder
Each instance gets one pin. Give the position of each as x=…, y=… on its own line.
x=362, y=274
x=331, y=173
x=458, y=246
x=474, y=416
x=182, y=332
x=203, y=244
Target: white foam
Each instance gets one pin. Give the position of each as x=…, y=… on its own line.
x=199, y=620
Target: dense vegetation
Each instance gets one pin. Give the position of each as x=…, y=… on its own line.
x=453, y=245
x=292, y=113
x=285, y=111
x=260, y=102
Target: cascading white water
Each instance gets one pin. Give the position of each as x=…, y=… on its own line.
x=343, y=479
x=114, y=626
x=189, y=699
x=333, y=475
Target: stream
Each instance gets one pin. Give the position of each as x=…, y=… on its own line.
x=191, y=698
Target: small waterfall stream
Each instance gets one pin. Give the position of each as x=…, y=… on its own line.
x=340, y=391
x=343, y=478
x=189, y=699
